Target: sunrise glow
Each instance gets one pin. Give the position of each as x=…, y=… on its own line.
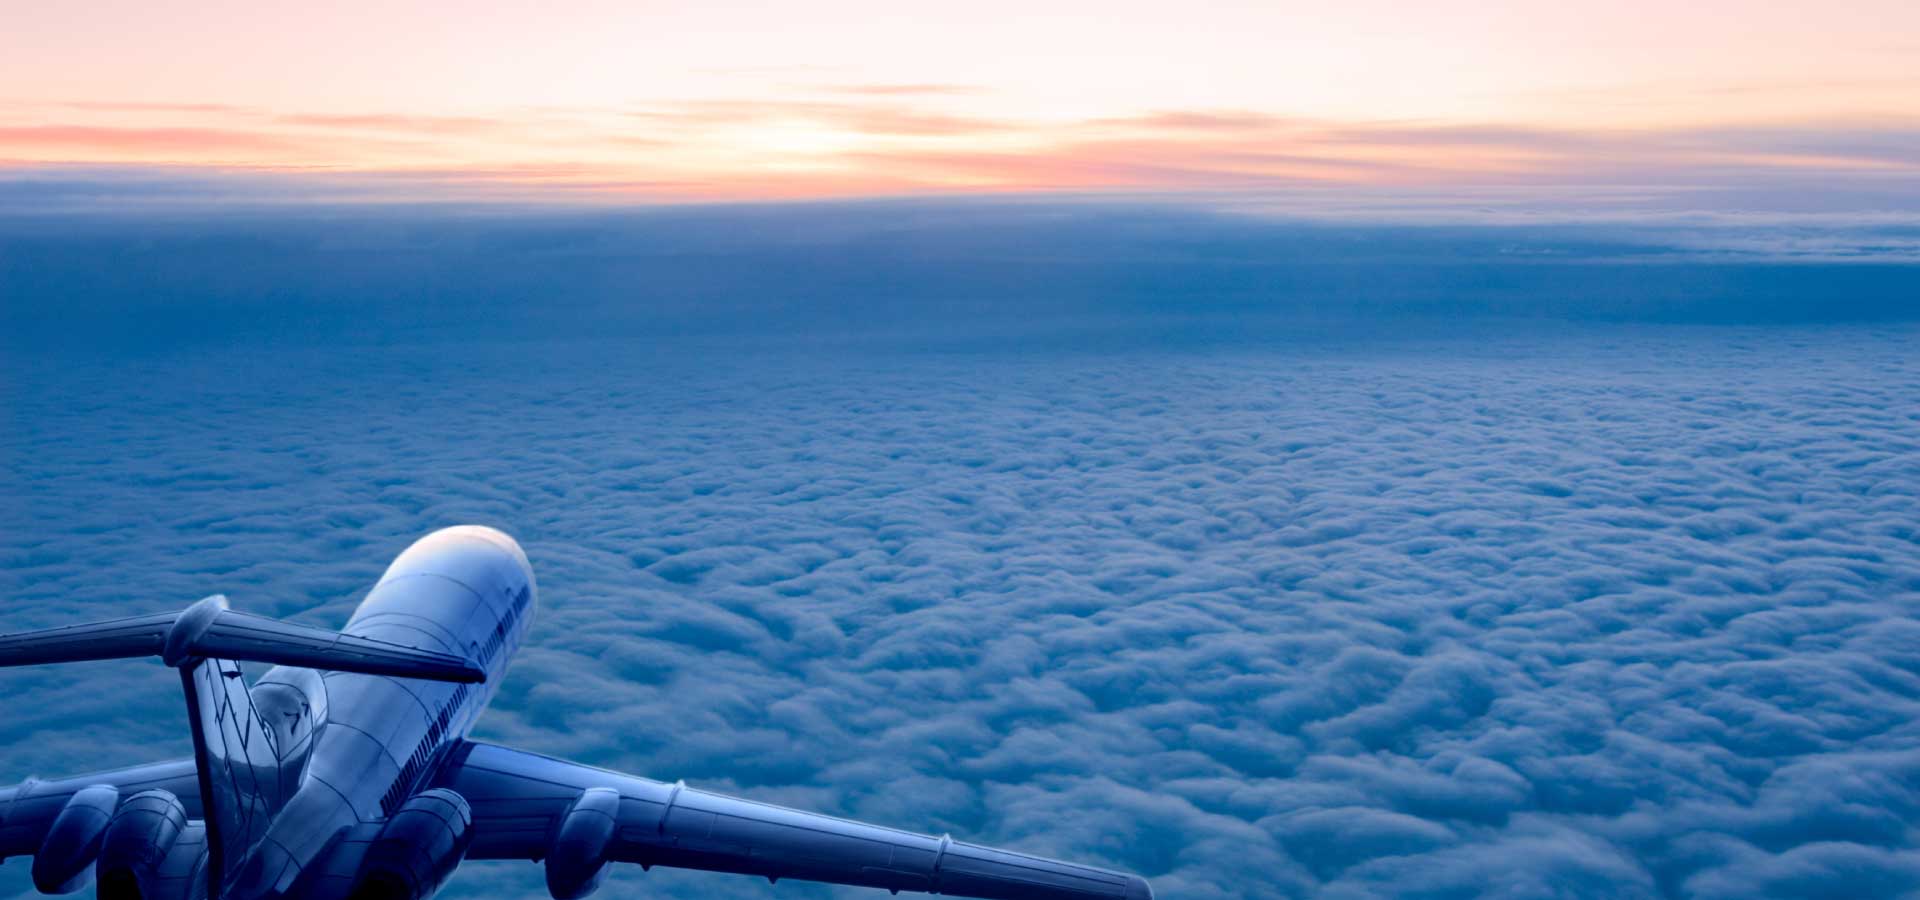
x=645, y=101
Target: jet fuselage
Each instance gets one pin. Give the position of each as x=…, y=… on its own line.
x=467, y=591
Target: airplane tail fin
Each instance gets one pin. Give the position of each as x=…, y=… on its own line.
x=209, y=630
x=239, y=760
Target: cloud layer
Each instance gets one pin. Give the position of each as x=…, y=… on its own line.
x=1627, y=612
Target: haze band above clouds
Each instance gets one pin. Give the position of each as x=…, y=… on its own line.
x=935, y=273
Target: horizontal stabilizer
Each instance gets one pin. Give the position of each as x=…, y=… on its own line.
x=208, y=629
x=115, y=639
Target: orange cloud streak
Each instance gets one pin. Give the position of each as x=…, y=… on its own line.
x=870, y=141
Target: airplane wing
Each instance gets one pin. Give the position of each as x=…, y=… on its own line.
x=27, y=809
x=523, y=806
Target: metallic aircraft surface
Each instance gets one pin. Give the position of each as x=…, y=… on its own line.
x=344, y=772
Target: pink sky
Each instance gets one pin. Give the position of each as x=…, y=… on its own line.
x=660, y=101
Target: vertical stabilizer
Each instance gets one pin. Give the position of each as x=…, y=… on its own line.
x=240, y=784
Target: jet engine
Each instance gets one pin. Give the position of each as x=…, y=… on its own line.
x=138, y=838
x=62, y=864
x=417, y=849
x=577, y=861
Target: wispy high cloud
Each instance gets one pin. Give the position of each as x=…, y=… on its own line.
x=855, y=139
x=162, y=144
x=900, y=90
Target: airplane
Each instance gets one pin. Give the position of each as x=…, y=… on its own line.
x=344, y=772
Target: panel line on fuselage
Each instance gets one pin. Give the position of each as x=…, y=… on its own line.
x=445, y=638
x=427, y=749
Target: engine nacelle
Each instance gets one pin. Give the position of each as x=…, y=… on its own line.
x=577, y=860
x=417, y=849
x=63, y=864
x=139, y=836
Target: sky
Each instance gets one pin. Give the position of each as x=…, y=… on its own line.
x=1413, y=450
x=657, y=102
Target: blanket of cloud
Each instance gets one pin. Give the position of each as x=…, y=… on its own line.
x=1592, y=609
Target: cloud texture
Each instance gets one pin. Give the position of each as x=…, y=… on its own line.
x=1621, y=612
